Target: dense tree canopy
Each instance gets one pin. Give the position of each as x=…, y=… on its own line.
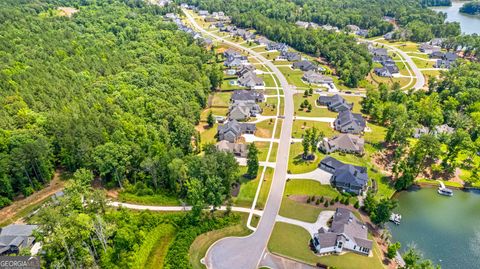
x=472, y=8
x=114, y=89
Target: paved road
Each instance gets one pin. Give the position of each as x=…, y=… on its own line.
x=246, y=252
x=418, y=74
x=273, y=261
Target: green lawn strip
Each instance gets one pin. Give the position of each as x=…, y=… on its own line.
x=422, y=63
x=152, y=252
x=200, y=246
x=356, y=102
x=434, y=182
x=273, y=154
x=155, y=199
x=377, y=134
x=299, y=211
x=25, y=212
x=297, y=165
x=293, y=76
x=270, y=55
x=270, y=106
x=262, y=150
x=260, y=49
x=278, y=131
x=300, y=127
x=265, y=189
x=208, y=135
x=292, y=241
x=272, y=92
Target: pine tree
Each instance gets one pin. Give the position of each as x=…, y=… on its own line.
x=252, y=160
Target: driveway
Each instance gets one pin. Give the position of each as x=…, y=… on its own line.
x=318, y=175
x=312, y=228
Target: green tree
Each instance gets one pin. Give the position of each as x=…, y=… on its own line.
x=392, y=250
x=210, y=119
x=252, y=160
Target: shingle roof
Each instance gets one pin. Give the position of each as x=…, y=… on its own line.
x=332, y=162
x=346, y=117
x=18, y=230
x=347, y=142
x=351, y=175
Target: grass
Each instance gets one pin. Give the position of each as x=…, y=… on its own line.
x=263, y=151
x=217, y=111
x=316, y=111
x=422, y=63
x=157, y=255
x=434, y=182
x=265, y=129
x=296, y=165
x=309, y=187
x=294, y=77
x=156, y=199
x=221, y=99
x=279, y=128
x=268, y=79
x=292, y=241
x=300, y=126
x=270, y=107
x=208, y=135
x=249, y=188
x=299, y=211
x=200, y=246
x=377, y=134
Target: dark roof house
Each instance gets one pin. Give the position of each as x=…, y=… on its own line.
x=304, y=65
x=348, y=122
x=232, y=130
x=316, y=78
x=334, y=103
x=290, y=56
x=16, y=236
x=245, y=95
x=347, y=177
x=347, y=143
x=239, y=150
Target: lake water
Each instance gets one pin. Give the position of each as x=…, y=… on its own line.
x=445, y=229
x=469, y=24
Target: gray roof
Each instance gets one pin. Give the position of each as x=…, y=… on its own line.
x=331, y=162
x=346, y=117
x=327, y=240
x=344, y=221
x=335, y=102
x=231, y=126
x=351, y=175
x=235, y=148
x=246, y=95
x=347, y=142
x=250, y=80
x=304, y=65
x=18, y=230
x=314, y=77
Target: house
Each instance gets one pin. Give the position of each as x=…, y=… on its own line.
x=392, y=68
x=290, y=56
x=239, y=150
x=347, y=177
x=244, y=95
x=418, y=132
x=362, y=32
x=245, y=69
x=388, y=36
x=352, y=28
x=15, y=237
x=316, y=78
x=304, y=66
x=379, y=52
x=450, y=56
x=334, y=103
x=230, y=53
x=443, y=129
x=243, y=110
x=446, y=60
x=245, y=34
x=262, y=40
x=330, y=28
x=382, y=72
x=282, y=47
x=428, y=49
x=347, y=143
x=236, y=61
x=348, y=122
x=251, y=81
x=232, y=130
x=436, y=42
x=203, y=13
x=346, y=233
x=436, y=55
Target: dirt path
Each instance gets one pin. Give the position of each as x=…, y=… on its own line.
x=13, y=211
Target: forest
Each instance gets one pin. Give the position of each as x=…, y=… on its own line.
x=113, y=89
x=454, y=99
x=472, y=8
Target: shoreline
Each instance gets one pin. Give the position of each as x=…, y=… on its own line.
x=421, y=185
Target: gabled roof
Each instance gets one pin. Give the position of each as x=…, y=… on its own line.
x=351, y=175
x=231, y=126
x=347, y=117
x=246, y=95
x=345, y=222
x=347, y=142
x=304, y=65
x=18, y=230
x=331, y=162
x=315, y=77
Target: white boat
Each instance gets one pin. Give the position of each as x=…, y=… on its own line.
x=445, y=191
x=395, y=218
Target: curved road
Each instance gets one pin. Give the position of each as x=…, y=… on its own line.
x=420, y=79
x=246, y=252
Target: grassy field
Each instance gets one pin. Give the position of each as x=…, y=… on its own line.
x=299, y=211
x=265, y=189
x=268, y=79
x=292, y=241
x=249, y=187
x=265, y=129
x=217, y=111
x=294, y=77
x=296, y=165
x=270, y=106
x=200, y=246
x=221, y=99
x=422, y=63
x=208, y=135
x=300, y=126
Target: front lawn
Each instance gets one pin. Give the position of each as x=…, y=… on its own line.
x=299, y=211
x=292, y=241
x=297, y=165
x=309, y=187
x=221, y=99
x=300, y=126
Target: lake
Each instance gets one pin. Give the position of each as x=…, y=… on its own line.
x=468, y=23
x=445, y=229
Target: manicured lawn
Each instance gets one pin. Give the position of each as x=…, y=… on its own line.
x=297, y=165
x=156, y=199
x=265, y=189
x=217, y=111
x=377, y=134
x=221, y=99
x=422, y=63
x=279, y=128
x=208, y=135
x=200, y=246
x=309, y=187
x=431, y=73
x=271, y=55
x=265, y=129
x=321, y=111
x=300, y=126
x=299, y=211
x=273, y=91
x=263, y=150
x=260, y=49
x=292, y=241
x=268, y=79
x=356, y=102
x=270, y=106
x=294, y=77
